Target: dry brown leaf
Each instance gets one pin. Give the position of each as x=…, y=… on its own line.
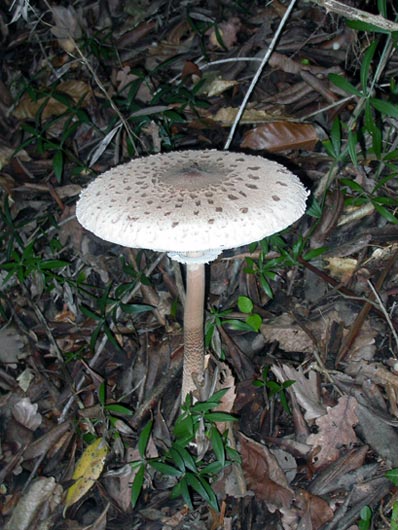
x=336, y=432
x=228, y=31
x=290, y=336
x=282, y=135
x=67, y=27
x=26, y=414
x=305, y=389
x=313, y=509
x=78, y=91
x=217, y=86
x=226, y=115
x=42, y=498
x=263, y=474
x=341, y=268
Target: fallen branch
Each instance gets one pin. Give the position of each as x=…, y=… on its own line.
x=357, y=14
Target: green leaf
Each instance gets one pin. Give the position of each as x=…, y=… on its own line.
x=165, y=469
x=245, y=304
x=119, y=409
x=352, y=146
x=135, y=308
x=217, y=444
x=200, y=485
x=343, y=83
x=219, y=416
x=58, y=165
x=52, y=264
x=254, y=321
x=137, y=485
x=187, y=458
x=144, y=438
x=314, y=253
x=370, y=28
x=384, y=212
x=90, y=314
x=237, y=325
x=385, y=107
x=181, y=490
x=214, y=468
x=102, y=393
x=365, y=66
x=354, y=186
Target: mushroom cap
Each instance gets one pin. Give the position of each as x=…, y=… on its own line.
x=192, y=204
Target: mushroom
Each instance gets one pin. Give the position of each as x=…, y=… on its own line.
x=193, y=205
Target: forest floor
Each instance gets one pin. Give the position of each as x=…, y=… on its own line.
x=301, y=329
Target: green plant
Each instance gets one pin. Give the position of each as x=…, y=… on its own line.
x=365, y=518
x=218, y=318
x=283, y=256
x=25, y=262
x=273, y=388
x=368, y=138
x=190, y=472
x=106, y=312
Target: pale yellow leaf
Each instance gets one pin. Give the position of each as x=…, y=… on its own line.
x=88, y=468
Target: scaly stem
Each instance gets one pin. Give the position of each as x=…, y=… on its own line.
x=194, y=352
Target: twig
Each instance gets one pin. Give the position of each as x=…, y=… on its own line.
x=357, y=14
x=384, y=310
x=258, y=74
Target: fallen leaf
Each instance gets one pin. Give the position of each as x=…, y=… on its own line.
x=78, y=91
x=305, y=389
x=282, y=135
x=224, y=35
x=26, y=414
x=336, y=432
x=88, y=468
x=264, y=475
x=42, y=497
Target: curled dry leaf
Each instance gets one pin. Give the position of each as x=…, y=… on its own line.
x=26, y=414
x=264, y=475
x=336, y=432
x=42, y=497
x=279, y=136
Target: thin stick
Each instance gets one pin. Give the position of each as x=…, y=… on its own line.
x=384, y=310
x=258, y=74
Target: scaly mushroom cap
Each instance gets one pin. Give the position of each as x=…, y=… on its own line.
x=192, y=204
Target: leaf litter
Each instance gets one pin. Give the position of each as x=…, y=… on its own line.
x=90, y=333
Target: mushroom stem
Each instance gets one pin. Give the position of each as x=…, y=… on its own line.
x=194, y=352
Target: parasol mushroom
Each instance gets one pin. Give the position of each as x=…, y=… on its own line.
x=192, y=204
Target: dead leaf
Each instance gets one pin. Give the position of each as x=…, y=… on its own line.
x=225, y=34
x=305, y=389
x=291, y=337
x=263, y=474
x=88, y=468
x=279, y=136
x=67, y=27
x=42, y=497
x=26, y=414
x=313, y=508
x=226, y=115
x=341, y=268
x=78, y=91
x=336, y=432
